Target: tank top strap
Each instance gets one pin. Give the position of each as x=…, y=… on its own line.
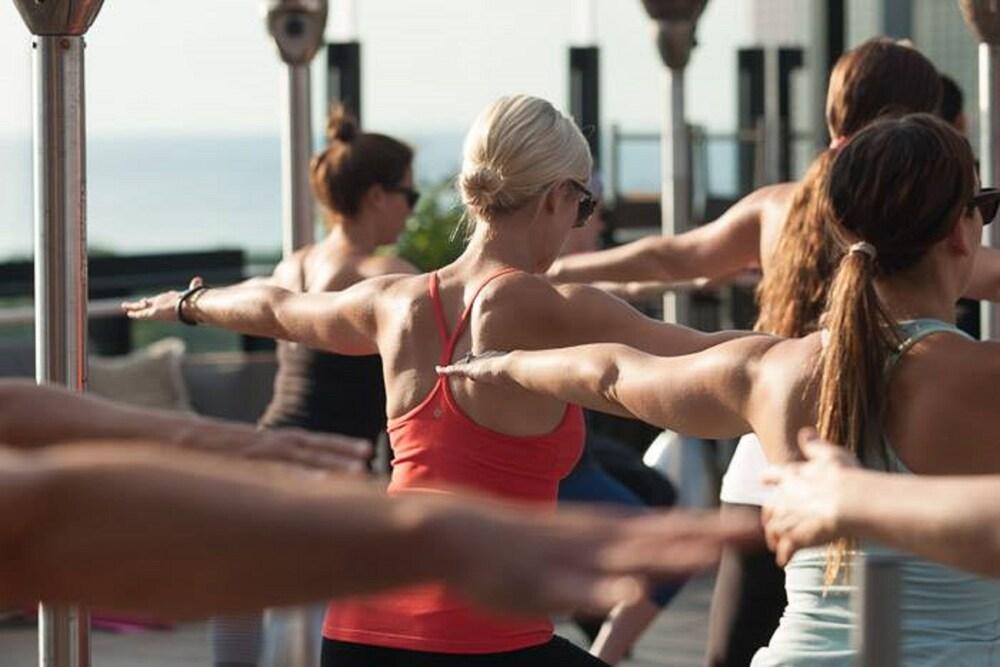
x=442, y=323
x=912, y=332
x=463, y=321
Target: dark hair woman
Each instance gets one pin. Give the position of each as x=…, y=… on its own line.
x=364, y=183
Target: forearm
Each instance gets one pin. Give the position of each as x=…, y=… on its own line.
x=953, y=520
x=36, y=416
x=580, y=375
x=145, y=530
x=253, y=309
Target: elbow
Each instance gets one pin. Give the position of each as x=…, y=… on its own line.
x=656, y=259
x=606, y=375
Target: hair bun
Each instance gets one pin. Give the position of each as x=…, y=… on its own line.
x=341, y=125
x=481, y=187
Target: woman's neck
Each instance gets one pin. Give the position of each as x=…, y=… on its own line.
x=512, y=248
x=911, y=298
x=352, y=234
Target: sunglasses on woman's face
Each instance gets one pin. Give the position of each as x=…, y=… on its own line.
x=585, y=207
x=987, y=201
x=412, y=196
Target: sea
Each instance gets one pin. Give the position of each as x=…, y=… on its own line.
x=168, y=194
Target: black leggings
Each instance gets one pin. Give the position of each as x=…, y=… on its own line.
x=747, y=604
x=556, y=653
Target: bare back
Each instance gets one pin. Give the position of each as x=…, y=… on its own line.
x=410, y=344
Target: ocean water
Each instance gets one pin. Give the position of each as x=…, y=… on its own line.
x=155, y=194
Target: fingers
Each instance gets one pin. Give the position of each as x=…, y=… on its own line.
x=196, y=282
x=330, y=453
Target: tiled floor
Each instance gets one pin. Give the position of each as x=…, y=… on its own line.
x=677, y=639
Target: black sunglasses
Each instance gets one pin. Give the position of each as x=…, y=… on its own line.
x=586, y=206
x=412, y=196
x=987, y=201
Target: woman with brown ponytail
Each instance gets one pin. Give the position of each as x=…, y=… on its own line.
x=778, y=230
x=364, y=184
x=889, y=376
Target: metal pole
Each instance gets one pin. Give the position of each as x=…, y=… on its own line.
x=60, y=245
x=296, y=143
x=989, y=150
x=297, y=27
x=60, y=274
x=983, y=19
x=876, y=637
x=675, y=197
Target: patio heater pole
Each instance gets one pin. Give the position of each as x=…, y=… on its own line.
x=297, y=27
x=983, y=19
x=58, y=27
x=876, y=637
x=676, y=23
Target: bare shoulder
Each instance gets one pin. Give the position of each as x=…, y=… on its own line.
x=379, y=265
x=959, y=366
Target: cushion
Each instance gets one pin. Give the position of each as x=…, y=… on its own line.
x=149, y=378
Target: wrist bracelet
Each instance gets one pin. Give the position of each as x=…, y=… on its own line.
x=188, y=293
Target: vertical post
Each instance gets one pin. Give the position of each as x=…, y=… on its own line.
x=676, y=22
x=584, y=94
x=675, y=199
x=296, y=150
x=60, y=245
x=989, y=142
x=983, y=19
x=876, y=637
x=297, y=27
x=343, y=72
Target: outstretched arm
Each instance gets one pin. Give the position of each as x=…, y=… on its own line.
x=123, y=528
x=34, y=416
x=984, y=283
x=342, y=322
x=722, y=247
x=830, y=496
x=706, y=394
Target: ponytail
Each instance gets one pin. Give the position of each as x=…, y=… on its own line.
x=860, y=337
x=792, y=295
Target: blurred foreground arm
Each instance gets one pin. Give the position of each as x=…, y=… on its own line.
x=35, y=416
x=147, y=529
x=952, y=520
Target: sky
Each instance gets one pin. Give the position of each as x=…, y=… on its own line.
x=207, y=66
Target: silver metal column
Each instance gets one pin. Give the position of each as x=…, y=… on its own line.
x=676, y=22
x=876, y=637
x=296, y=142
x=297, y=27
x=983, y=19
x=60, y=245
x=675, y=188
x=989, y=149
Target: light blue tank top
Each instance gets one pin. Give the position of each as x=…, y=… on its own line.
x=948, y=618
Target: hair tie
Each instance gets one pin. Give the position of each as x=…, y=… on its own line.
x=838, y=142
x=864, y=248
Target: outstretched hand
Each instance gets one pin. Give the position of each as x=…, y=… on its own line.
x=329, y=452
x=487, y=367
x=585, y=559
x=803, y=509
x=161, y=307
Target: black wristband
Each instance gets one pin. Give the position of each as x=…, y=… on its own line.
x=188, y=293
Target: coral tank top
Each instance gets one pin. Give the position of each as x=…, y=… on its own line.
x=437, y=447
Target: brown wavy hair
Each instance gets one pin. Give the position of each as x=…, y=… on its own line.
x=901, y=185
x=353, y=162
x=878, y=77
